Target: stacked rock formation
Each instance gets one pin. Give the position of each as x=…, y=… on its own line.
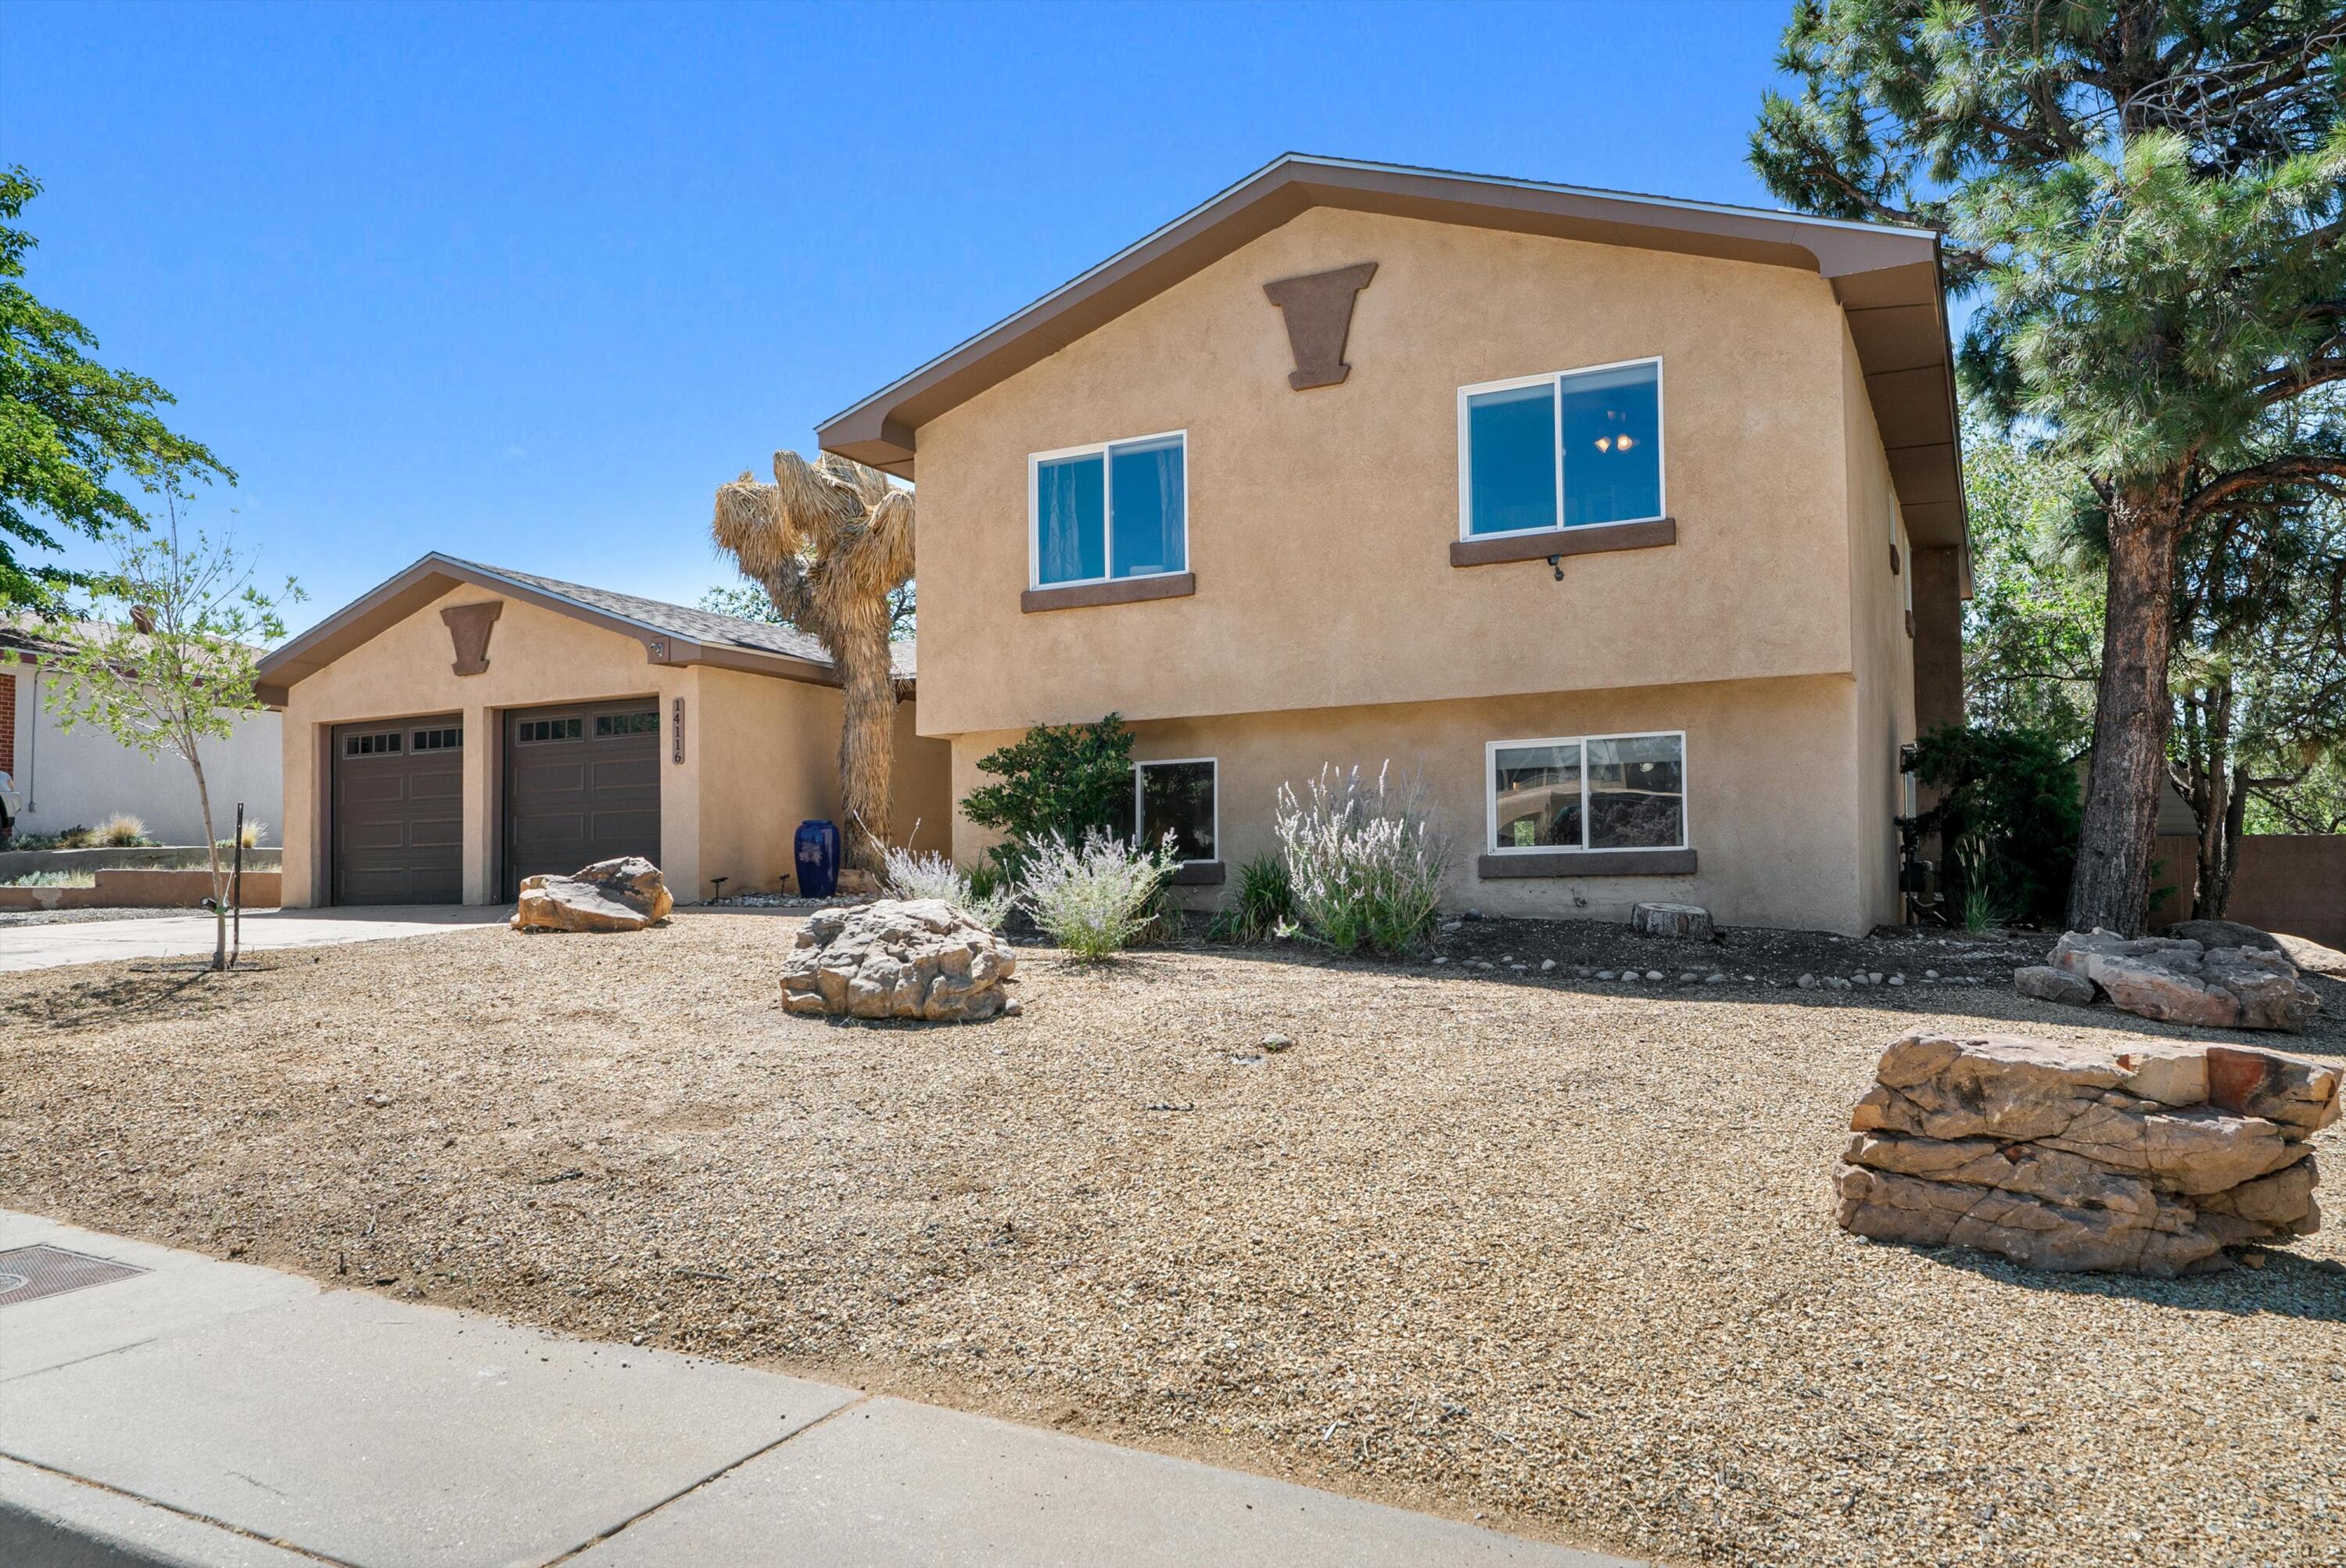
x=2176, y=980
x=899, y=958
x=2146, y=1157
x=625, y=894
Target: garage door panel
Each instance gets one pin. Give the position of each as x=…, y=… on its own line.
x=571, y=802
x=398, y=823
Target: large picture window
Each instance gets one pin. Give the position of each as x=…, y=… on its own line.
x=1102, y=514
x=1567, y=450
x=1588, y=792
x=1176, y=797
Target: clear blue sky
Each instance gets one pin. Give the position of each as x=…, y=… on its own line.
x=525, y=283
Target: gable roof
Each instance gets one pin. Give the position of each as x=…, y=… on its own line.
x=671, y=634
x=1886, y=278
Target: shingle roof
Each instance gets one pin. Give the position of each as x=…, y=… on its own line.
x=684, y=621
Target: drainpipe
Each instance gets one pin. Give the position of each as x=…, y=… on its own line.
x=32, y=735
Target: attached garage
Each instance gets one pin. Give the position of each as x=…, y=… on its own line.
x=582, y=785
x=463, y=727
x=398, y=811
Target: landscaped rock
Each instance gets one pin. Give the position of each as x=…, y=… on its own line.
x=2046, y=983
x=625, y=894
x=899, y=958
x=2214, y=934
x=2132, y=1158
x=2178, y=981
x=1672, y=920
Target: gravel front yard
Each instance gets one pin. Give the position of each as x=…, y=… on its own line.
x=1535, y=1248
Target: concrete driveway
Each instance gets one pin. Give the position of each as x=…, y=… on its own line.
x=175, y=935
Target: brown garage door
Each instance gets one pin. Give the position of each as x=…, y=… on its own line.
x=399, y=812
x=582, y=785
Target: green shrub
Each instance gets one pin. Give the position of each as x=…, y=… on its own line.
x=1263, y=903
x=1099, y=898
x=1058, y=781
x=2008, y=819
x=1366, y=860
x=54, y=880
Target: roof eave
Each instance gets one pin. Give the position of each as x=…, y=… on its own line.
x=1858, y=258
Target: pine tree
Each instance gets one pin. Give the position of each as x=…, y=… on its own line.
x=2146, y=197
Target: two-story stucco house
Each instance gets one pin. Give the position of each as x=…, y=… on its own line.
x=1633, y=529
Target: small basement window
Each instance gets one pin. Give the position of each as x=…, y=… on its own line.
x=1586, y=792
x=382, y=744
x=1571, y=449
x=532, y=730
x=439, y=739
x=610, y=724
x=1103, y=513
x=1177, y=798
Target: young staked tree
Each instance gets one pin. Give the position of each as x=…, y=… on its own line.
x=73, y=433
x=168, y=660
x=830, y=541
x=2148, y=195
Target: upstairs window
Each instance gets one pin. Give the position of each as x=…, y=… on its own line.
x=1100, y=513
x=1567, y=450
x=1588, y=792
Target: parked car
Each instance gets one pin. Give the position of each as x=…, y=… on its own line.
x=11, y=805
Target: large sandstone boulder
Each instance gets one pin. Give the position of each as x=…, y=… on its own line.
x=2176, y=981
x=625, y=894
x=899, y=958
x=2221, y=933
x=2138, y=1157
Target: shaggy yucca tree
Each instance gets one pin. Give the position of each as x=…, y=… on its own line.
x=1365, y=859
x=829, y=540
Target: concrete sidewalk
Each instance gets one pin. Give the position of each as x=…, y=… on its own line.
x=177, y=935
x=213, y=1414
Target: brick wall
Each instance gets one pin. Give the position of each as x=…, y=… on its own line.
x=8, y=723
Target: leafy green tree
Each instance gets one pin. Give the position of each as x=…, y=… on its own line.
x=168, y=659
x=2033, y=626
x=73, y=433
x=749, y=602
x=1058, y=780
x=2147, y=195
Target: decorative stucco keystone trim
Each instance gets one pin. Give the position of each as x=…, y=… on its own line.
x=1588, y=863
x=1583, y=541
x=1319, y=311
x=1129, y=591
x=468, y=628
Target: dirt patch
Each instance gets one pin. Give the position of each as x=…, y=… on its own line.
x=1535, y=1247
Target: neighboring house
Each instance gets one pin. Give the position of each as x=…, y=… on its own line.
x=462, y=726
x=1632, y=529
x=80, y=777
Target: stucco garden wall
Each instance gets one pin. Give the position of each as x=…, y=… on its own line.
x=1771, y=808
x=81, y=776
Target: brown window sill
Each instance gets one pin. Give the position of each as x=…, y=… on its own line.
x=1588, y=863
x=1198, y=874
x=1583, y=541
x=1126, y=591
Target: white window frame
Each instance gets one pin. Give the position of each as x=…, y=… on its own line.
x=1140, y=814
x=1102, y=449
x=1491, y=750
x=1555, y=379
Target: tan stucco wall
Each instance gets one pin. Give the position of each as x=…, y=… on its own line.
x=1883, y=653
x=760, y=752
x=1320, y=521
x=1770, y=812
